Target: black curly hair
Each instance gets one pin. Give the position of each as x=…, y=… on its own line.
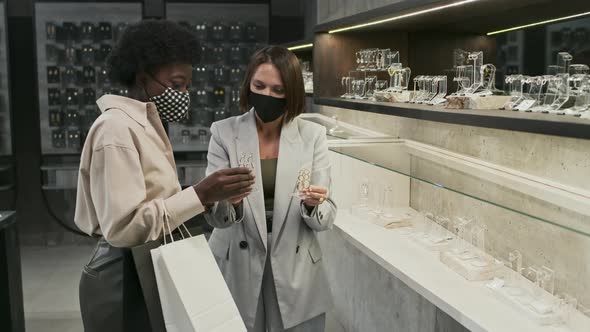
x=147, y=45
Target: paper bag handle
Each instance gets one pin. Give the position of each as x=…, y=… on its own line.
x=167, y=225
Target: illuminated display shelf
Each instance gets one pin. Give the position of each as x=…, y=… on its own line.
x=304, y=45
x=557, y=125
x=426, y=33
x=485, y=15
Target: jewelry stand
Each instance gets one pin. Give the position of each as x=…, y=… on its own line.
x=528, y=297
x=469, y=259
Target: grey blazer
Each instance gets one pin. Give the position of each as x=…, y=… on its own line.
x=239, y=241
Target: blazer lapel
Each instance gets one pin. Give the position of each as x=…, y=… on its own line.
x=290, y=161
x=246, y=143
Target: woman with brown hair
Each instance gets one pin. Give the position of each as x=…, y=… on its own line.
x=265, y=242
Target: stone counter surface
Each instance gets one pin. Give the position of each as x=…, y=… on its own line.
x=383, y=281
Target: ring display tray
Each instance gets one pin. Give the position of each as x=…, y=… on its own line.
x=533, y=301
x=474, y=102
x=394, y=218
x=541, y=311
x=471, y=265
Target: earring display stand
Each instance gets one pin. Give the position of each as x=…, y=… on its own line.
x=473, y=265
x=71, y=54
x=527, y=297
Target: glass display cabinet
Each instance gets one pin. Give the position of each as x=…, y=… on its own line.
x=518, y=240
x=229, y=35
x=339, y=132
x=73, y=41
x=453, y=68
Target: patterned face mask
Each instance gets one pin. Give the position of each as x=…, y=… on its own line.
x=172, y=105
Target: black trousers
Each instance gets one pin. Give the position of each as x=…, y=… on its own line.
x=111, y=299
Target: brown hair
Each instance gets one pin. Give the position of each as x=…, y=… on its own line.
x=288, y=65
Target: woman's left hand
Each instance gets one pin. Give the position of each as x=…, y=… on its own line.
x=314, y=195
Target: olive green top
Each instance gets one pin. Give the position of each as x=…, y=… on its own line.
x=269, y=176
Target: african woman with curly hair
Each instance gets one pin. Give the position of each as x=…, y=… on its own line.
x=127, y=183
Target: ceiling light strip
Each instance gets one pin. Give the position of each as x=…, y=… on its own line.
x=395, y=18
x=298, y=47
x=537, y=23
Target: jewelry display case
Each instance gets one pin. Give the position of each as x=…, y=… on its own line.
x=338, y=132
x=517, y=240
x=429, y=35
x=73, y=41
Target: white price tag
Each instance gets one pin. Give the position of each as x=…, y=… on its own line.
x=525, y=105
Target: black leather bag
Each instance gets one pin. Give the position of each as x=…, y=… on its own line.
x=111, y=298
x=147, y=279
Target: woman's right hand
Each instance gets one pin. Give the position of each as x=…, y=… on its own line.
x=225, y=184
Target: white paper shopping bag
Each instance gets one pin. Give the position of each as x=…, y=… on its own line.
x=175, y=317
x=193, y=293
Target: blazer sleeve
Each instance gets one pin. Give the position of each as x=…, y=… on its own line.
x=223, y=214
x=322, y=217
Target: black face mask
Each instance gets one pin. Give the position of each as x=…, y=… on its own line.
x=268, y=108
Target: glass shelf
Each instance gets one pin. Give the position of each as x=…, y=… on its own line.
x=523, y=194
x=344, y=132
